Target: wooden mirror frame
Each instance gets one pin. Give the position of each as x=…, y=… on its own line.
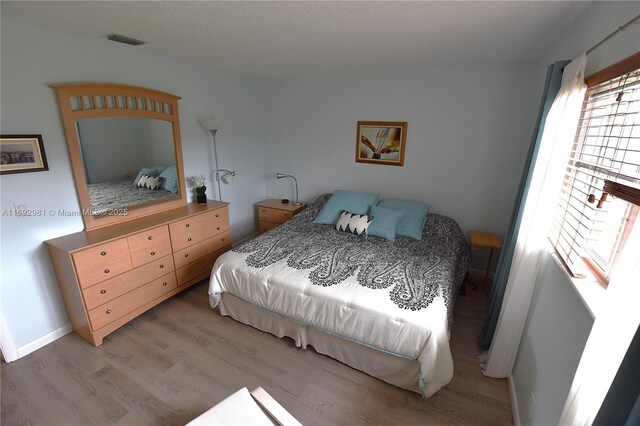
x=78, y=101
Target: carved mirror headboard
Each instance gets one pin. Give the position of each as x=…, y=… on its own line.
x=116, y=134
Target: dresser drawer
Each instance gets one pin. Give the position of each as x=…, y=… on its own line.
x=195, y=269
x=215, y=222
x=110, y=289
x=189, y=225
x=186, y=232
x=102, y=262
x=191, y=254
x=149, y=245
x=121, y=306
x=274, y=215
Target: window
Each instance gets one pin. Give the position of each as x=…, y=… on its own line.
x=590, y=226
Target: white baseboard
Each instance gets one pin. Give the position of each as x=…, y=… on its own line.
x=44, y=340
x=514, y=402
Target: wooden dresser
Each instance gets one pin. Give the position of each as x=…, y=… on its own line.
x=110, y=275
x=272, y=213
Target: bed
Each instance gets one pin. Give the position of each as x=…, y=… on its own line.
x=383, y=307
x=107, y=197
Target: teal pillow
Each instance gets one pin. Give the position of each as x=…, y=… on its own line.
x=149, y=171
x=354, y=202
x=170, y=182
x=385, y=222
x=415, y=215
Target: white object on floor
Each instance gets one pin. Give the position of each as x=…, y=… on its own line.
x=243, y=408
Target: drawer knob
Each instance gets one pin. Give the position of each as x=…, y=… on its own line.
x=186, y=255
x=223, y=239
x=188, y=272
x=103, y=253
x=150, y=237
x=161, y=266
x=189, y=239
x=218, y=228
x=153, y=253
x=217, y=215
x=164, y=284
x=106, y=271
x=187, y=225
x=103, y=291
x=108, y=311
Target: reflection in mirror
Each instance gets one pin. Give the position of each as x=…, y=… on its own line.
x=129, y=162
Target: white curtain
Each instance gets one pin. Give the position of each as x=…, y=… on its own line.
x=555, y=147
x=613, y=330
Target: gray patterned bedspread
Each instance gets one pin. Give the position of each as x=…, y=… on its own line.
x=417, y=271
x=107, y=197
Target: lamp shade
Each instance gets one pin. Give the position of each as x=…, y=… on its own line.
x=210, y=123
x=228, y=177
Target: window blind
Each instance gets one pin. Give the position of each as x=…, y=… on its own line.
x=605, y=155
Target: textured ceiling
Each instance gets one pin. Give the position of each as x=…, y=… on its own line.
x=270, y=39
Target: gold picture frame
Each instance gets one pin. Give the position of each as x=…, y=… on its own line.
x=381, y=142
x=22, y=154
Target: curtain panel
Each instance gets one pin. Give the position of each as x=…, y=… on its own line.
x=551, y=89
x=540, y=199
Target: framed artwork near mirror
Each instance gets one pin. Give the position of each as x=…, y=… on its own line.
x=120, y=138
x=21, y=154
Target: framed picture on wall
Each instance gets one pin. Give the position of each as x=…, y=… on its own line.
x=21, y=154
x=381, y=142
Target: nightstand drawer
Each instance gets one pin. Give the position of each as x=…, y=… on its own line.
x=266, y=226
x=121, y=306
x=274, y=215
x=203, y=248
x=110, y=289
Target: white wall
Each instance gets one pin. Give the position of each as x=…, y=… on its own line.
x=32, y=58
x=555, y=334
x=558, y=323
x=469, y=128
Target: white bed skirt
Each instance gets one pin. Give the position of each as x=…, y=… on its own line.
x=395, y=370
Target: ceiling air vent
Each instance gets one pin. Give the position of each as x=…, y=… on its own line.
x=126, y=40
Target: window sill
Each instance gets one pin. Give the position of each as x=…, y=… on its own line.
x=588, y=289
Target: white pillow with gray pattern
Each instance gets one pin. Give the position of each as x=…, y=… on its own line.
x=150, y=182
x=354, y=223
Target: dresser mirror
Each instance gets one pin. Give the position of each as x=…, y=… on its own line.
x=125, y=150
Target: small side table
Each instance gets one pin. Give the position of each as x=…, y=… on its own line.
x=272, y=213
x=485, y=240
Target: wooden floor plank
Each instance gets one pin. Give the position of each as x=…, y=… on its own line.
x=177, y=360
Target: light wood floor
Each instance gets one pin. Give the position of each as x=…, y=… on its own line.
x=176, y=361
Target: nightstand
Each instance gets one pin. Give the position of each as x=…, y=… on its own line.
x=272, y=213
x=485, y=240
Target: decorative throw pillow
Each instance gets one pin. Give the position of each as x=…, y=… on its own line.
x=352, y=222
x=415, y=216
x=149, y=171
x=385, y=222
x=355, y=202
x=170, y=182
x=150, y=182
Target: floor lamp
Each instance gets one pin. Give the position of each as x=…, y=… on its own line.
x=213, y=125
